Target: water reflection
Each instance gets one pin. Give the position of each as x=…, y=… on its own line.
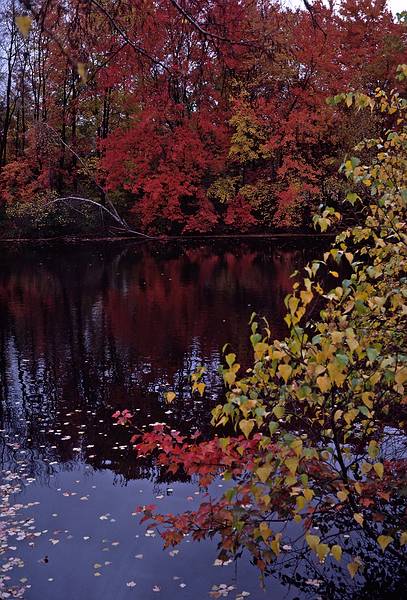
x=87, y=330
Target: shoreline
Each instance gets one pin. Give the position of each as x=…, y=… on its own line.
x=179, y=238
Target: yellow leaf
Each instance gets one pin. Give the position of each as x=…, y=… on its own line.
x=275, y=545
x=358, y=488
x=384, y=541
x=263, y=473
x=365, y=468
x=403, y=538
x=401, y=376
x=309, y=494
x=337, y=337
x=291, y=464
x=322, y=550
x=324, y=383
x=296, y=445
x=300, y=502
x=293, y=304
x=279, y=411
x=336, y=552
x=312, y=541
x=358, y=518
x=265, y=531
x=246, y=426
x=366, y=399
x=351, y=415
x=201, y=388
x=306, y=296
x=82, y=72
x=285, y=371
x=290, y=480
x=336, y=374
x=170, y=396
x=343, y=495
x=229, y=377
x=230, y=358
x=378, y=467
x=24, y=23
x=373, y=449
x=353, y=568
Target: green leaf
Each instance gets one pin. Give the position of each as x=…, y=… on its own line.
x=372, y=354
x=279, y=411
x=230, y=359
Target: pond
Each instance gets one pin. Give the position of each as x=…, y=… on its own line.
x=88, y=329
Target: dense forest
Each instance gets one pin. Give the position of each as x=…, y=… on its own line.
x=183, y=117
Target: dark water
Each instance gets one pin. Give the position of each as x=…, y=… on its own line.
x=84, y=331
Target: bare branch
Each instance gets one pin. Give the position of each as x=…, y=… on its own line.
x=314, y=20
x=125, y=37
x=114, y=215
x=204, y=32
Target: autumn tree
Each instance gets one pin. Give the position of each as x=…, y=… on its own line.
x=319, y=418
x=188, y=117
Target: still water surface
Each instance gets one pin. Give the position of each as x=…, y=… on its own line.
x=89, y=329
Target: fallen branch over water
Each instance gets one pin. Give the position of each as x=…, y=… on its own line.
x=112, y=212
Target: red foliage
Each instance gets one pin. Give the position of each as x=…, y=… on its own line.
x=239, y=214
x=158, y=114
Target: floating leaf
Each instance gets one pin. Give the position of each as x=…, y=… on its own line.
x=384, y=541
x=312, y=541
x=169, y=397
x=336, y=552
x=353, y=568
x=322, y=551
x=201, y=388
x=358, y=518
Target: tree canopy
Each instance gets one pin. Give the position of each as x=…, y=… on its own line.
x=184, y=117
